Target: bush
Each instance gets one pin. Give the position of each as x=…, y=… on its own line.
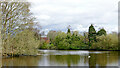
x=44, y=45
x=108, y=42
x=23, y=43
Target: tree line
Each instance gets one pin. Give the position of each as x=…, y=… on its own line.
x=73, y=40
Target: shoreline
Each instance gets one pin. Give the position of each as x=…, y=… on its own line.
x=81, y=49
x=9, y=56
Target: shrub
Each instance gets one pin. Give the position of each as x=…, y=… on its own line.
x=23, y=43
x=108, y=42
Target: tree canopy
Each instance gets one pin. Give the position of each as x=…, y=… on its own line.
x=91, y=34
x=17, y=21
x=101, y=32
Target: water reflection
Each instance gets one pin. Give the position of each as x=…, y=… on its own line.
x=69, y=60
x=104, y=59
x=66, y=58
x=21, y=61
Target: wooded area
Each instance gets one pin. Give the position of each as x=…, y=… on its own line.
x=91, y=40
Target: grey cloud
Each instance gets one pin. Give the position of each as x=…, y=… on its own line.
x=58, y=14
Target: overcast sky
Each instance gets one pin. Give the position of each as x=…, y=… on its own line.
x=58, y=14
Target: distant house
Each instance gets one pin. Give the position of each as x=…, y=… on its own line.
x=45, y=38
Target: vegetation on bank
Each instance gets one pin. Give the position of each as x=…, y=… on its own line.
x=89, y=41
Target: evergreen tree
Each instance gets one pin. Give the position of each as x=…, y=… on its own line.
x=101, y=32
x=91, y=34
x=69, y=29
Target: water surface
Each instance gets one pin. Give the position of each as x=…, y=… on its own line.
x=66, y=58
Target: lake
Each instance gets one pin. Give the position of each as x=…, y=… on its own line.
x=66, y=58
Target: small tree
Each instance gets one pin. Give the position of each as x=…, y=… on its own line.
x=101, y=32
x=51, y=35
x=91, y=34
x=68, y=29
x=25, y=43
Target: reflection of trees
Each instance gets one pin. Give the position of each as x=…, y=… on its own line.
x=103, y=59
x=67, y=59
x=21, y=61
x=92, y=60
x=100, y=59
x=119, y=58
